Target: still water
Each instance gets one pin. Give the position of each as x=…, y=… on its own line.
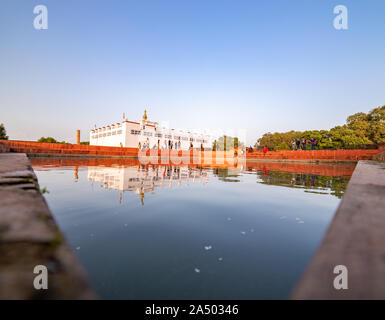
x=182, y=232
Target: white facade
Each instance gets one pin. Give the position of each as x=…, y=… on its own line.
x=147, y=134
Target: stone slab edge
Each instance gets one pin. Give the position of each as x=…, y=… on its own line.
x=355, y=239
x=29, y=236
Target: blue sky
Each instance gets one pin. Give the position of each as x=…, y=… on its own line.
x=257, y=65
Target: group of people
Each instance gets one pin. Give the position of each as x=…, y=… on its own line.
x=167, y=145
x=265, y=149
x=300, y=144
x=296, y=144
x=171, y=145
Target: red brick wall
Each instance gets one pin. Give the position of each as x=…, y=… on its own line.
x=57, y=148
x=4, y=148
x=315, y=154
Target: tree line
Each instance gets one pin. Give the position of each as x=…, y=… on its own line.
x=362, y=130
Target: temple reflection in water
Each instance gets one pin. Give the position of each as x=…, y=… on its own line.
x=143, y=179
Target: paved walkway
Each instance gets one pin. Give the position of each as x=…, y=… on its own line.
x=355, y=239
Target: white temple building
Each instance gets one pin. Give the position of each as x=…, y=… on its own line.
x=147, y=134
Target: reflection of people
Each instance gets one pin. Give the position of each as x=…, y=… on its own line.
x=76, y=174
x=312, y=181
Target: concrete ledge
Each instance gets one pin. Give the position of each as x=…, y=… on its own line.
x=355, y=239
x=29, y=236
x=380, y=156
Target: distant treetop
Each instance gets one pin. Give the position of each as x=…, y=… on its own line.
x=3, y=133
x=49, y=140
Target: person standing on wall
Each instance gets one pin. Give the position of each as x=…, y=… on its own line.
x=265, y=150
x=312, y=142
x=303, y=143
x=293, y=144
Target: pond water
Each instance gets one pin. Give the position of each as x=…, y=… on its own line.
x=188, y=232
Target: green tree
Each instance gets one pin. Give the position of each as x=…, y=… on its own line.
x=376, y=131
x=282, y=146
x=3, y=133
x=359, y=122
x=342, y=136
x=225, y=143
x=47, y=140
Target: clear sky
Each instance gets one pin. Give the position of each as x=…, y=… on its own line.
x=259, y=65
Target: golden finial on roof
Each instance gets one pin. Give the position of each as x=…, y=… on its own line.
x=145, y=115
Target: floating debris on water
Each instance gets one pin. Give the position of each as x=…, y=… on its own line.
x=243, y=232
x=197, y=270
x=220, y=259
x=77, y=248
x=208, y=247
